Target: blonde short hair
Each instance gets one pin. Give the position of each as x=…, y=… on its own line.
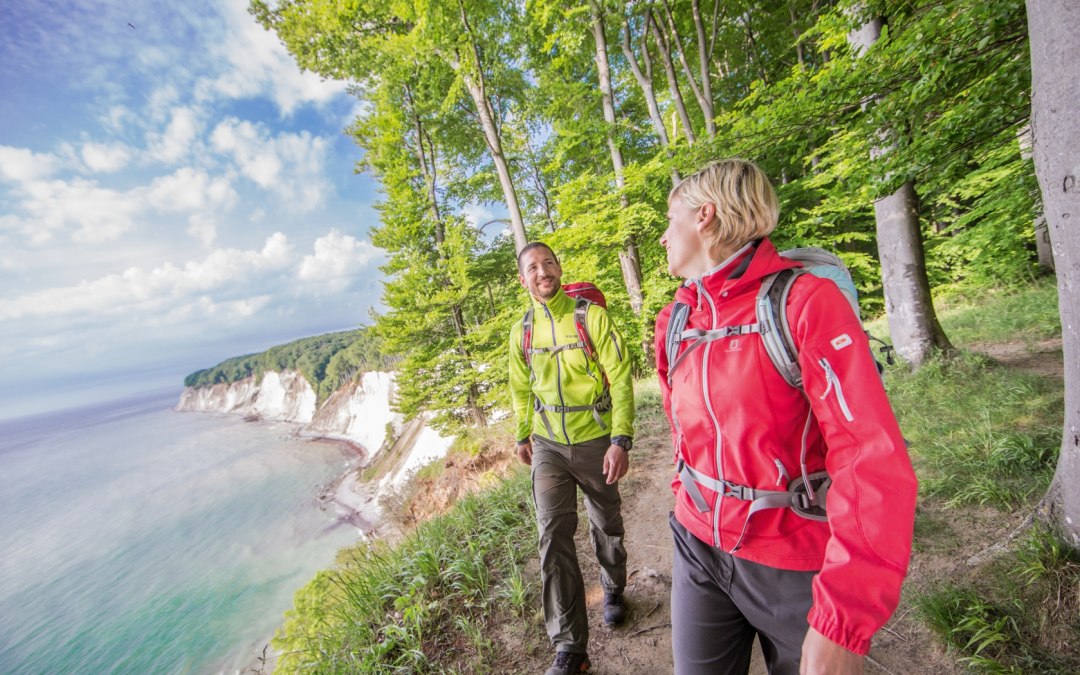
x=746, y=206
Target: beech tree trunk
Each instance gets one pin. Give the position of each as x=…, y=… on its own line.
x=631, y=272
x=644, y=80
x=676, y=42
x=1041, y=231
x=913, y=324
x=426, y=158
x=473, y=76
x=1053, y=27
x=672, y=77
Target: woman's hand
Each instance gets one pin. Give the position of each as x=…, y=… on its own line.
x=822, y=656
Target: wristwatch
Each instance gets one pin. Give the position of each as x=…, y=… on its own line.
x=624, y=442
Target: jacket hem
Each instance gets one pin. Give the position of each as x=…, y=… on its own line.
x=831, y=630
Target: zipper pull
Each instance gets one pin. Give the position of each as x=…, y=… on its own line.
x=782, y=476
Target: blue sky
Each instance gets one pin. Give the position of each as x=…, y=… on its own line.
x=173, y=192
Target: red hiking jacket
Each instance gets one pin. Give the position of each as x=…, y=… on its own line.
x=734, y=417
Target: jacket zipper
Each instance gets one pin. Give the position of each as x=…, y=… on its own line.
x=558, y=373
x=712, y=416
x=615, y=342
x=834, y=385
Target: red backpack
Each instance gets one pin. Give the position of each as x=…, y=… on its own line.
x=584, y=294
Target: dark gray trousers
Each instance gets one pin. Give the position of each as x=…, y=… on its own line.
x=719, y=603
x=557, y=472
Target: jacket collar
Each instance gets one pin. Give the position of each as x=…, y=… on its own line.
x=747, y=267
x=559, y=304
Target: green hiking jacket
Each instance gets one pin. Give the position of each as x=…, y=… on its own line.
x=569, y=377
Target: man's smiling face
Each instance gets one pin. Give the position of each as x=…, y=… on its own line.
x=541, y=273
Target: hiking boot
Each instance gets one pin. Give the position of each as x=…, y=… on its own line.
x=569, y=664
x=614, y=609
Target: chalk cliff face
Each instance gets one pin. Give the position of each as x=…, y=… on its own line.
x=358, y=412
x=285, y=397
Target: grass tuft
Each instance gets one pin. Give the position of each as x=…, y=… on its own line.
x=428, y=604
x=1018, y=615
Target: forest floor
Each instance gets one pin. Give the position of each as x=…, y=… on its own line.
x=643, y=644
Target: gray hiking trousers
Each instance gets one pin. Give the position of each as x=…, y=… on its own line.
x=557, y=472
x=719, y=603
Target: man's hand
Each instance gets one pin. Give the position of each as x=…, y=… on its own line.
x=820, y=655
x=616, y=463
x=524, y=452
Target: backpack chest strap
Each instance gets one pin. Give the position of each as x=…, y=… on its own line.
x=697, y=337
x=555, y=349
x=601, y=405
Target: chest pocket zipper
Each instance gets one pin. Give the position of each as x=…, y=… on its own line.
x=834, y=386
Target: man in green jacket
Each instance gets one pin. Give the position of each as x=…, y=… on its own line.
x=575, y=422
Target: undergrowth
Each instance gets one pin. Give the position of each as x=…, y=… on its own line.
x=980, y=433
x=430, y=603
x=1018, y=615
x=986, y=435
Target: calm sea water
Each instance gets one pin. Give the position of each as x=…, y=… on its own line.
x=135, y=539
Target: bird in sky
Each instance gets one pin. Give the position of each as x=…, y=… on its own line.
x=129, y=23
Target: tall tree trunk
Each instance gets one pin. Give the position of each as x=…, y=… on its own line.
x=705, y=103
x=1043, y=249
x=703, y=61
x=672, y=78
x=631, y=269
x=644, y=80
x=1053, y=26
x=426, y=157
x=473, y=76
x=913, y=324
x=796, y=33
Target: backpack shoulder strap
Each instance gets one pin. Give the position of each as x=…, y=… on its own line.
x=676, y=323
x=581, y=315
x=526, y=336
x=771, y=310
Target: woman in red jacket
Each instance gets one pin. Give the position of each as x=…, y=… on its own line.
x=747, y=563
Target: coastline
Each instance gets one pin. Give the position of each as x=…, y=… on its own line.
x=355, y=502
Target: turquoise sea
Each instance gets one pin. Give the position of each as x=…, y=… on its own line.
x=135, y=539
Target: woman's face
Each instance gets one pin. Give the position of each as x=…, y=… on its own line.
x=687, y=252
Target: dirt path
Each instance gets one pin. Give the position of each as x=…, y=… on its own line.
x=643, y=645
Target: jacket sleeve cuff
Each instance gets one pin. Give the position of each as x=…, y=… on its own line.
x=828, y=627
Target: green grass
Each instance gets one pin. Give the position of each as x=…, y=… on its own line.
x=1018, y=615
x=980, y=433
x=1015, y=314
x=431, y=603
x=1026, y=314
x=987, y=435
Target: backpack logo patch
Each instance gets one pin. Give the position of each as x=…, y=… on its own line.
x=840, y=341
x=733, y=346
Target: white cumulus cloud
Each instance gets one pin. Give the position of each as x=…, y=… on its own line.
x=105, y=158
x=21, y=165
x=337, y=260
x=178, y=138
x=226, y=272
x=287, y=164
x=259, y=65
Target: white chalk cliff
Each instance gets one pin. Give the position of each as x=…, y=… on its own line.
x=358, y=412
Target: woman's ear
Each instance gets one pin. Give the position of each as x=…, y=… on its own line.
x=706, y=215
